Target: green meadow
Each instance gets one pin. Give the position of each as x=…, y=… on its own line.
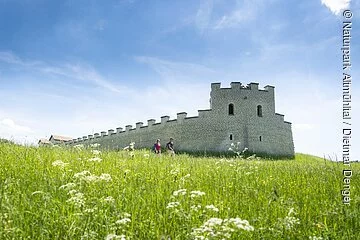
x=77, y=193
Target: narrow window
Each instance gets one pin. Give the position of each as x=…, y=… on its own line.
x=259, y=111
x=231, y=137
x=231, y=109
x=260, y=138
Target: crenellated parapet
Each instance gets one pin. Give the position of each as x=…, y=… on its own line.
x=241, y=113
x=182, y=117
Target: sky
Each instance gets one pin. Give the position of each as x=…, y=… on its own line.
x=75, y=68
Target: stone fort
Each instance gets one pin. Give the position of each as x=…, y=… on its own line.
x=241, y=113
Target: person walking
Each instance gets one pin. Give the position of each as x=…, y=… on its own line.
x=170, y=147
x=157, y=147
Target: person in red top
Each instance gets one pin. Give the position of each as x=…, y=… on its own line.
x=157, y=147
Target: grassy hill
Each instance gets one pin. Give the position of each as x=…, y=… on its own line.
x=74, y=193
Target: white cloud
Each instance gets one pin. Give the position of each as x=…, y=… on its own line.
x=100, y=25
x=336, y=6
x=9, y=129
x=203, y=15
x=179, y=71
x=8, y=125
x=75, y=71
x=242, y=13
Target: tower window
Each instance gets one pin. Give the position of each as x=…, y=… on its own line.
x=259, y=111
x=260, y=138
x=231, y=137
x=231, y=109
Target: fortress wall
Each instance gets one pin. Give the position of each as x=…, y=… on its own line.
x=211, y=129
x=190, y=134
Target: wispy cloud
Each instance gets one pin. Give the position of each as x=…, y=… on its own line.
x=172, y=70
x=100, y=25
x=77, y=71
x=9, y=126
x=243, y=13
x=203, y=15
x=336, y=6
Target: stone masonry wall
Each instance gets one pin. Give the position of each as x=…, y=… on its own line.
x=213, y=129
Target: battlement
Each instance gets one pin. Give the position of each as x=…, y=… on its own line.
x=233, y=109
x=239, y=86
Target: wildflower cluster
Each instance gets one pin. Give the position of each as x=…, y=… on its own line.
x=235, y=148
x=221, y=228
x=194, y=194
x=59, y=163
x=79, y=147
x=95, y=145
x=76, y=198
x=86, y=176
x=289, y=221
x=120, y=227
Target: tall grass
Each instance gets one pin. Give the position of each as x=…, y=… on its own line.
x=70, y=193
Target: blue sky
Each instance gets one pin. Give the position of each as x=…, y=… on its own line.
x=77, y=67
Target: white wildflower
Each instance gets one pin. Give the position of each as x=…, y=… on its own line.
x=105, y=177
x=77, y=199
x=213, y=222
x=173, y=205
x=95, y=145
x=175, y=171
x=194, y=194
x=72, y=192
x=81, y=175
x=90, y=210
x=114, y=236
x=212, y=207
x=127, y=215
x=123, y=221
x=315, y=238
x=90, y=178
x=195, y=208
x=289, y=222
x=96, y=152
x=242, y=224
x=220, y=228
x=95, y=159
x=59, y=163
x=146, y=155
x=180, y=192
x=79, y=146
x=109, y=199
x=68, y=186
x=89, y=236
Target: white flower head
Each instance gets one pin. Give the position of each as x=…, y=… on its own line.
x=180, y=192
x=194, y=194
x=95, y=159
x=96, y=152
x=68, y=186
x=105, y=177
x=109, y=199
x=95, y=145
x=173, y=205
x=77, y=199
x=79, y=146
x=59, y=163
x=113, y=236
x=123, y=221
x=212, y=208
